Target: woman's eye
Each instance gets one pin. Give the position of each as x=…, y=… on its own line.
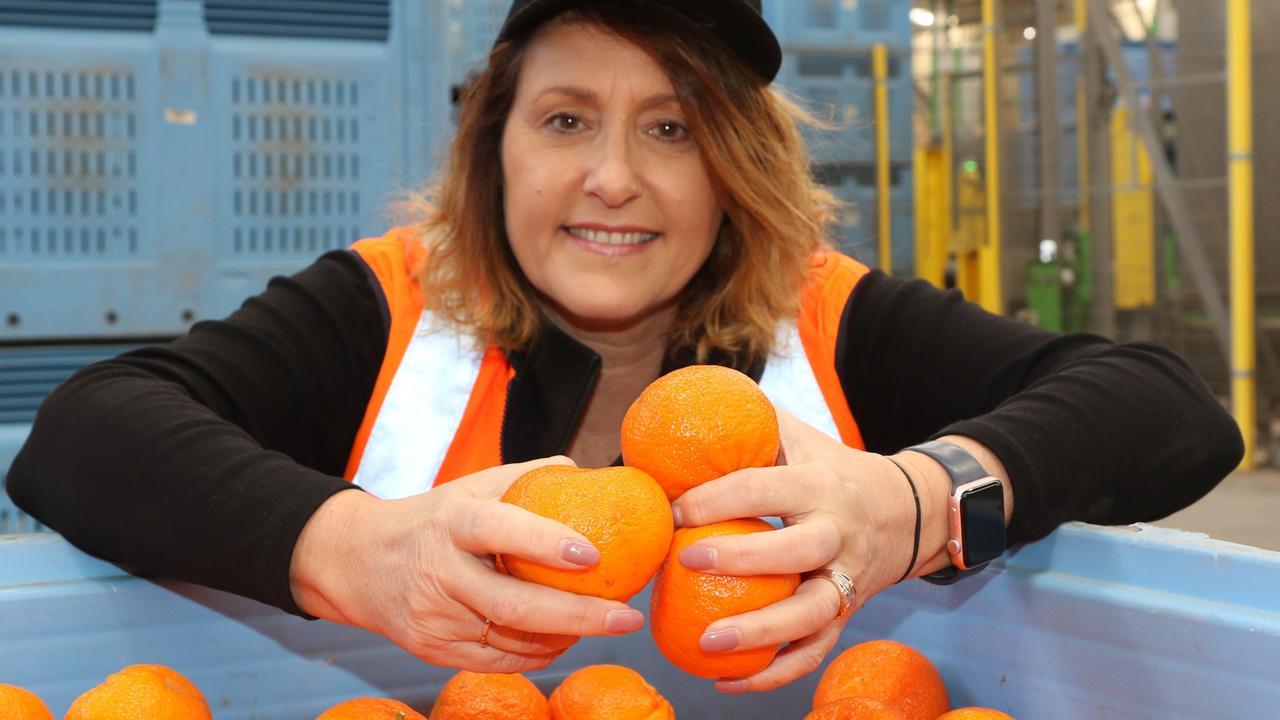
x=565, y=122
x=670, y=130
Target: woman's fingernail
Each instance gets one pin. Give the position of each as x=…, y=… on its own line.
x=677, y=515
x=732, y=686
x=698, y=557
x=623, y=621
x=720, y=640
x=579, y=553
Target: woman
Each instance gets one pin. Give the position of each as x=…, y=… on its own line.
x=625, y=195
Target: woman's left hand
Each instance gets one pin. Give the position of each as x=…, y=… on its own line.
x=843, y=509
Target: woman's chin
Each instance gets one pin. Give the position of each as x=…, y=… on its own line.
x=597, y=316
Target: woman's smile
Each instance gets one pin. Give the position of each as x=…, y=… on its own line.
x=611, y=241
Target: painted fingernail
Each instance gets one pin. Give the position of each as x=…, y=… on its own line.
x=677, y=515
x=698, y=557
x=720, y=640
x=623, y=621
x=579, y=553
x=732, y=686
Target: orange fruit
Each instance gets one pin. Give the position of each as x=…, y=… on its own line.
x=685, y=602
x=698, y=423
x=854, y=708
x=490, y=696
x=621, y=510
x=19, y=704
x=975, y=713
x=154, y=692
x=887, y=671
x=608, y=692
x=371, y=708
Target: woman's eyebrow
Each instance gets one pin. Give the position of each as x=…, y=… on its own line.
x=585, y=95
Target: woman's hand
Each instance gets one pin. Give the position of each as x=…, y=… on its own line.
x=842, y=508
x=420, y=571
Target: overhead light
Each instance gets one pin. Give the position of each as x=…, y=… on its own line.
x=920, y=16
x=1029, y=33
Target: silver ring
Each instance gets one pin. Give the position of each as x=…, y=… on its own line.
x=843, y=584
x=484, y=634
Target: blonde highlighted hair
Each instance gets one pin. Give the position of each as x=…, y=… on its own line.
x=776, y=214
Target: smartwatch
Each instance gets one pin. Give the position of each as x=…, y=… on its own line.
x=975, y=512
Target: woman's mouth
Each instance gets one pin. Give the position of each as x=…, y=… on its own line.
x=611, y=242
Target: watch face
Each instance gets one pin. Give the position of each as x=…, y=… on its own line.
x=982, y=517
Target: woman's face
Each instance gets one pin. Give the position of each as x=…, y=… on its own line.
x=608, y=206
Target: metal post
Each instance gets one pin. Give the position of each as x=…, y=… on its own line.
x=880, y=71
x=1082, y=109
x=989, y=294
x=1047, y=110
x=1240, y=178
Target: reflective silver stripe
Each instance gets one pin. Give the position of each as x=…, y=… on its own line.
x=790, y=384
x=421, y=412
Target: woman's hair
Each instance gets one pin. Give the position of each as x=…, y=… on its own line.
x=776, y=214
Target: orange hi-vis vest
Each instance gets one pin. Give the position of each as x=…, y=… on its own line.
x=437, y=408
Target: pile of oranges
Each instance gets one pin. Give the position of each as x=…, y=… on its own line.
x=157, y=692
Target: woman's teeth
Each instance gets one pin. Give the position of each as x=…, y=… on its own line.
x=611, y=238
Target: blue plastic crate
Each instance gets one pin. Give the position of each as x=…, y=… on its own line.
x=1028, y=138
x=837, y=86
x=839, y=23
x=857, y=232
x=12, y=520
x=152, y=178
x=1101, y=623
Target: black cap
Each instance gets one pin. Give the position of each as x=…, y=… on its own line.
x=738, y=23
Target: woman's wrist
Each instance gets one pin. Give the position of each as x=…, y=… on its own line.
x=935, y=487
x=323, y=558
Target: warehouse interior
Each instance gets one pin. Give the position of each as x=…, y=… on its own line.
x=1099, y=166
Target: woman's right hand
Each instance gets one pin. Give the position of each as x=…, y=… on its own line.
x=420, y=571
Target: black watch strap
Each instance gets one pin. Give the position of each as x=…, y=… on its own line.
x=959, y=464
x=962, y=468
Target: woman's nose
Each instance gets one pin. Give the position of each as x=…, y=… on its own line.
x=613, y=176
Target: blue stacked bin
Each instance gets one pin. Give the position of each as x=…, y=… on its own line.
x=838, y=87
x=827, y=64
x=839, y=23
x=1135, y=54
x=1100, y=623
x=858, y=230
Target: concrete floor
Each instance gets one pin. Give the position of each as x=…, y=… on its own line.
x=1244, y=509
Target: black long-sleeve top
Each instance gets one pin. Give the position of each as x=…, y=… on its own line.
x=202, y=459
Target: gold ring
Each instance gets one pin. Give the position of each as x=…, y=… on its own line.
x=484, y=634
x=843, y=584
